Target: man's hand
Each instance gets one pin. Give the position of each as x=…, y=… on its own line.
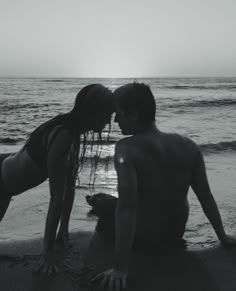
x=229, y=241
x=111, y=280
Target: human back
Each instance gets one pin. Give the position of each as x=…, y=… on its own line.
x=20, y=172
x=163, y=164
x=28, y=167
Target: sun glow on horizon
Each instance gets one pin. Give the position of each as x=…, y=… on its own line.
x=113, y=65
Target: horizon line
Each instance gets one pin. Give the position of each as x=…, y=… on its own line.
x=89, y=77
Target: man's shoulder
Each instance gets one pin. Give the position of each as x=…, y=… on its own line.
x=123, y=144
x=180, y=138
x=124, y=149
x=180, y=143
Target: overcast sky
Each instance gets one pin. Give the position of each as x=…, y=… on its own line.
x=122, y=38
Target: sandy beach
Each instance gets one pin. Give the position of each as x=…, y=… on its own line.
x=205, y=265
x=211, y=269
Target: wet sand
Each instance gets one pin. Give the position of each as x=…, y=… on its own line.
x=207, y=267
x=211, y=269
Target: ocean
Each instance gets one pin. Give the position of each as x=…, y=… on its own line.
x=203, y=109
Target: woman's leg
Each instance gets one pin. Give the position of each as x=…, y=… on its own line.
x=4, y=203
x=5, y=198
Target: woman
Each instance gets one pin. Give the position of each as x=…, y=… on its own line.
x=53, y=151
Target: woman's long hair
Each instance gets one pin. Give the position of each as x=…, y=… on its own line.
x=91, y=101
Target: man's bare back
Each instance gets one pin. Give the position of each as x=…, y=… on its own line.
x=163, y=163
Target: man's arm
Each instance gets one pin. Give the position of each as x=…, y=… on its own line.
x=126, y=206
x=201, y=188
x=125, y=219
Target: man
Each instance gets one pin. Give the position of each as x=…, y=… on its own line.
x=154, y=170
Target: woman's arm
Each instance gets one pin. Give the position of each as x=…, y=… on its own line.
x=57, y=167
x=71, y=175
x=62, y=236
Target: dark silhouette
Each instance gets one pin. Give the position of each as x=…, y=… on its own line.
x=53, y=151
x=155, y=170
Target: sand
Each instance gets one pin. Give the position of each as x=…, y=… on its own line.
x=209, y=269
x=212, y=268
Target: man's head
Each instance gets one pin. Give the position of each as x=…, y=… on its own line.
x=135, y=107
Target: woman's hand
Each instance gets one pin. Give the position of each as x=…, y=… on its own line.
x=50, y=263
x=111, y=280
x=228, y=241
x=55, y=261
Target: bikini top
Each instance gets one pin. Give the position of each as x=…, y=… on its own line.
x=38, y=149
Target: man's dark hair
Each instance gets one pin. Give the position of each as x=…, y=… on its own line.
x=137, y=97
